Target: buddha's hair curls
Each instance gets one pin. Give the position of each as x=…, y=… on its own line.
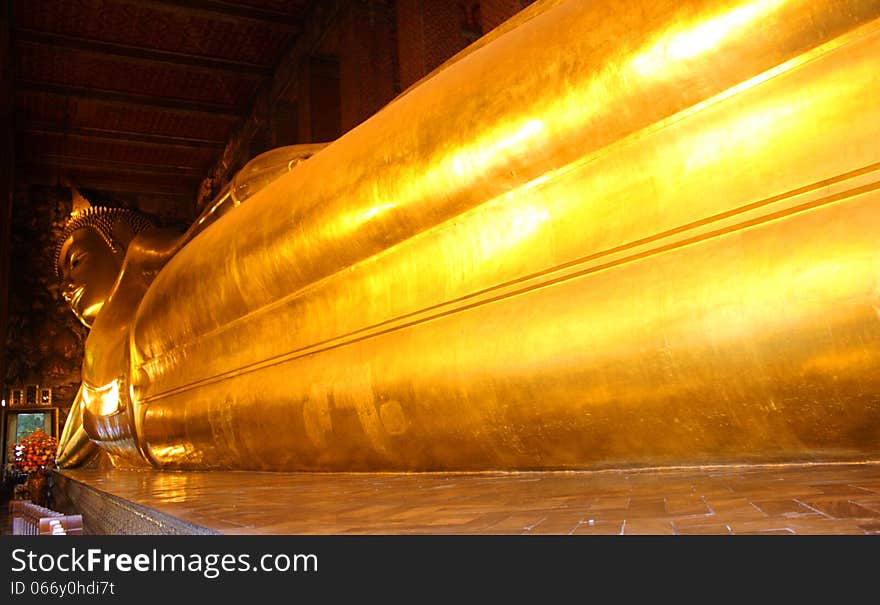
x=101, y=219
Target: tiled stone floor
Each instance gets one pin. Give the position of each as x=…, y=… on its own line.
x=779, y=499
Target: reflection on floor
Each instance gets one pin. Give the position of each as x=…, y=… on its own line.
x=782, y=499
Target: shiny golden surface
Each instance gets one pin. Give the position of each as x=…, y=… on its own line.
x=638, y=234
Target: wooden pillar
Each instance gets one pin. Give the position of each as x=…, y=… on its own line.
x=281, y=89
x=324, y=100
x=431, y=31
x=7, y=178
x=367, y=60
x=308, y=112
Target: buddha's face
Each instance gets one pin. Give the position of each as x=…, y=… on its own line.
x=89, y=268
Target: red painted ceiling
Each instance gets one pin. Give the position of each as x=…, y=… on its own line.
x=125, y=96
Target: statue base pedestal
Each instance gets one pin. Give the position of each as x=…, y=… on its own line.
x=833, y=498
x=106, y=512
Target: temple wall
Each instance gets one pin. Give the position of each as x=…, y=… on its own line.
x=358, y=56
x=44, y=343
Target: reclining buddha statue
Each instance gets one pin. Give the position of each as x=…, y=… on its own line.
x=607, y=234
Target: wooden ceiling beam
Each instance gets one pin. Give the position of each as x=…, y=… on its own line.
x=187, y=194
x=113, y=167
x=40, y=172
x=182, y=195
x=221, y=9
x=130, y=99
x=177, y=59
x=50, y=176
x=44, y=128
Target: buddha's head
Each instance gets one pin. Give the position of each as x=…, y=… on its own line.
x=90, y=254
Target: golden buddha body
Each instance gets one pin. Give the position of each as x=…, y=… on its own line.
x=639, y=236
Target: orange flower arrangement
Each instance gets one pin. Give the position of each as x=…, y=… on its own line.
x=35, y=452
